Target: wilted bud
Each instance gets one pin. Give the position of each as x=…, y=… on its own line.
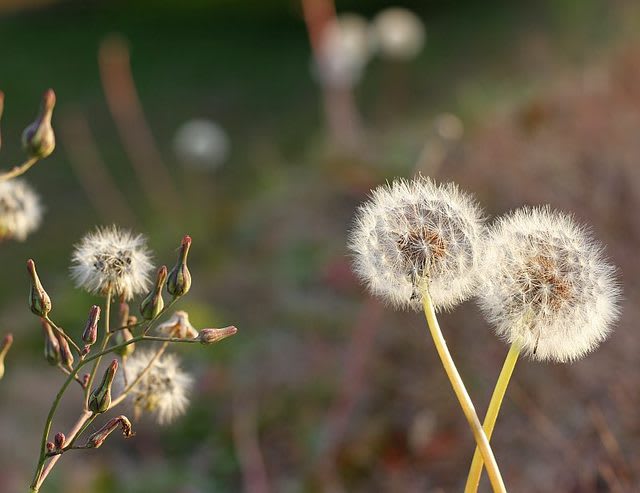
x=179, y=281
x=38, y=139
x=39, y=300
x=90, y=334
x=51, y=346
x=100, y=397
x=124, y=314
x=4, y=349
x=98, y=438
x=120, y=337
x=153, y=304
x=66, y=356
x=50, y=447
x=211, y=336
x=59, y=441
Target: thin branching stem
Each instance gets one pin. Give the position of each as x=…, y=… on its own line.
x=65, y=335
x=18, y=170
x=103, y=347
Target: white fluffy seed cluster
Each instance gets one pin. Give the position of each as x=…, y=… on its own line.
x=411, y=232
x=163, y=390
x=20, y=210
x=178, y=326
x=112, y=259
x=547, y=286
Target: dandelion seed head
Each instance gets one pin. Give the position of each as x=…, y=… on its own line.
x=414, y=231
x=20, y=210
x=547, y=285
x=113, y=259
x=163, y=390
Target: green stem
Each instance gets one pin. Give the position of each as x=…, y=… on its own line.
x=461, y=393
x=65, y=335
x=475, y=472
x=18, y=170
x=103, y=347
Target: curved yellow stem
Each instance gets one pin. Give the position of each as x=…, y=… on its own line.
x=461, y=393
x=475, y=472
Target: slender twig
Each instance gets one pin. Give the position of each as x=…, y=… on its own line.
x=65, y=335
x=461, y=393
x=140, y=376
x=18, y=170
x=475, y=472
x=67, y=372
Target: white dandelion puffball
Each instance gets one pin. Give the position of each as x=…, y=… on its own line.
x=20, y=210
x=112, y=259
x=398, y=33
x=414, y=231
x=344, y=50
x=163, y=390
x=202, y=144
x=547, y=286
x=178, y=326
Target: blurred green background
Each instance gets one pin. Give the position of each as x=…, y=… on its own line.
x=322, y=389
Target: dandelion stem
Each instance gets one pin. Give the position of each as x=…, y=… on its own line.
x=461, y=393
x=18, y=170
x=475, y=472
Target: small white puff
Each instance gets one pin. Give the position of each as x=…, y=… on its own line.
x=111, y=258
x=163, y=390
x=547, y=285
x=20, y=210
x=412, y=231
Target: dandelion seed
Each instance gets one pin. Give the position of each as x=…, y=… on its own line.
x=415, y=231
x=162, y=390
x=547, y=286
x=20, y=210
x=112, y=259
x=398, y=33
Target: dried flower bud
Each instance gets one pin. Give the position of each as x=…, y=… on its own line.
x=211, y=336
x=38, y=139
x=4, y=349
x=153, y=304
x=179, y=281
x=120, y=337
x=178, y=326
x=100, y=397
x=98, y=438
x=66, y=356
x=90, y=334
x=59, y=441
x=51, y=346
x=39, y=300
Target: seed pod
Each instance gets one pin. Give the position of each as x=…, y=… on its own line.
x=211, y=336
x=153, y=304
x=90, y=334
x=38, y=139
x=120, y=337
x=98, y=438
x=39, y=301
x=179, y=281
x=66, y=356
x=100, y=397
x=51, y=345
